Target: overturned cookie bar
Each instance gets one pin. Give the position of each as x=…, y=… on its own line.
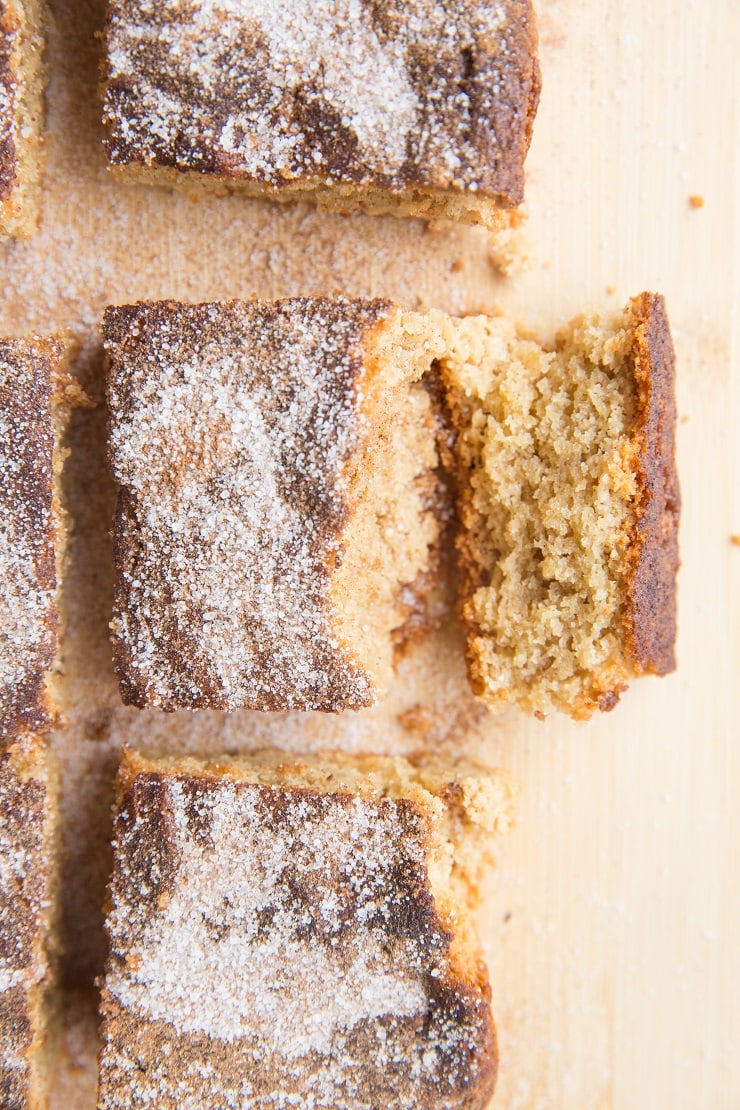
x=36, y=393
x=569, y=503
x=414, y=109
x=28, y=897
x=293, y=932
x=277, y=495
x=22, y=79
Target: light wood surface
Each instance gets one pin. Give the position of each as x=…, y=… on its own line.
x=612, y=924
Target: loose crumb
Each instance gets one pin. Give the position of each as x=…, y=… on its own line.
x=416, y=719
x=735, y=539
x=696, y=200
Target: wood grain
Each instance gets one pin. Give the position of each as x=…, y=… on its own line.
x=612, y=924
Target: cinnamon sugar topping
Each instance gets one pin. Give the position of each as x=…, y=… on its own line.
x=24, y=867
x=231, y=428
x=27, y=531
x=280, y=947
x=379, y=94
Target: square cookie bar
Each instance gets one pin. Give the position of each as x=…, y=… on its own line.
x=28, y=818
x=415, y=108
x=569, y=505
x=35, y=397
x=276, y=464
x=293, y=932
x=22, y=79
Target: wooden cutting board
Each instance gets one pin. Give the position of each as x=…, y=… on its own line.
x=612, y=924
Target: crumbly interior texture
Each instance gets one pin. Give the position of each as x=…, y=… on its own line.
x=548, y=463
x=22, y=81
x=438, y=207
x=37, y=392
x=285, y=934
x=420, y=109
x=388, y=543
x=29, y=904
x=275, y=510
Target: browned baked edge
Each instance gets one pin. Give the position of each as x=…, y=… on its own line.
x=440, y=208
x=652, y=558
x=527, y=72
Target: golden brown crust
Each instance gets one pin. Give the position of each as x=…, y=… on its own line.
x=412, y=99
x=347, y=992
x=30, y=372
x=653, y=559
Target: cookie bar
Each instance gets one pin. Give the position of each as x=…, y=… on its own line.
x=28, y=816
x=293, y=932
x=22, y=79
x=35, y=397
x=277, y=491
x=414, y=109
x=569, y=505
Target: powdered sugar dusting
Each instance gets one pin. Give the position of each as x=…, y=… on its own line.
x=283, y=946
x=337, y=90
x=231, y=427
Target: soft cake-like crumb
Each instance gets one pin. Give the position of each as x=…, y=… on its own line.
x=285, y=935
x=416, y=109
x=270, y=530
x=569, y=504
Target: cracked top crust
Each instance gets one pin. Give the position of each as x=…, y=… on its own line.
x=230, y=430
x=281, y=946
x=28, y=531
x=421, y=94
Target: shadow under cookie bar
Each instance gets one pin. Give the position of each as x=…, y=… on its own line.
x=28, y=941
x=294, y=931
x=413, y=109
x=22, y=79
x=277, y=503
x=569, y=502
x=36, y=394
